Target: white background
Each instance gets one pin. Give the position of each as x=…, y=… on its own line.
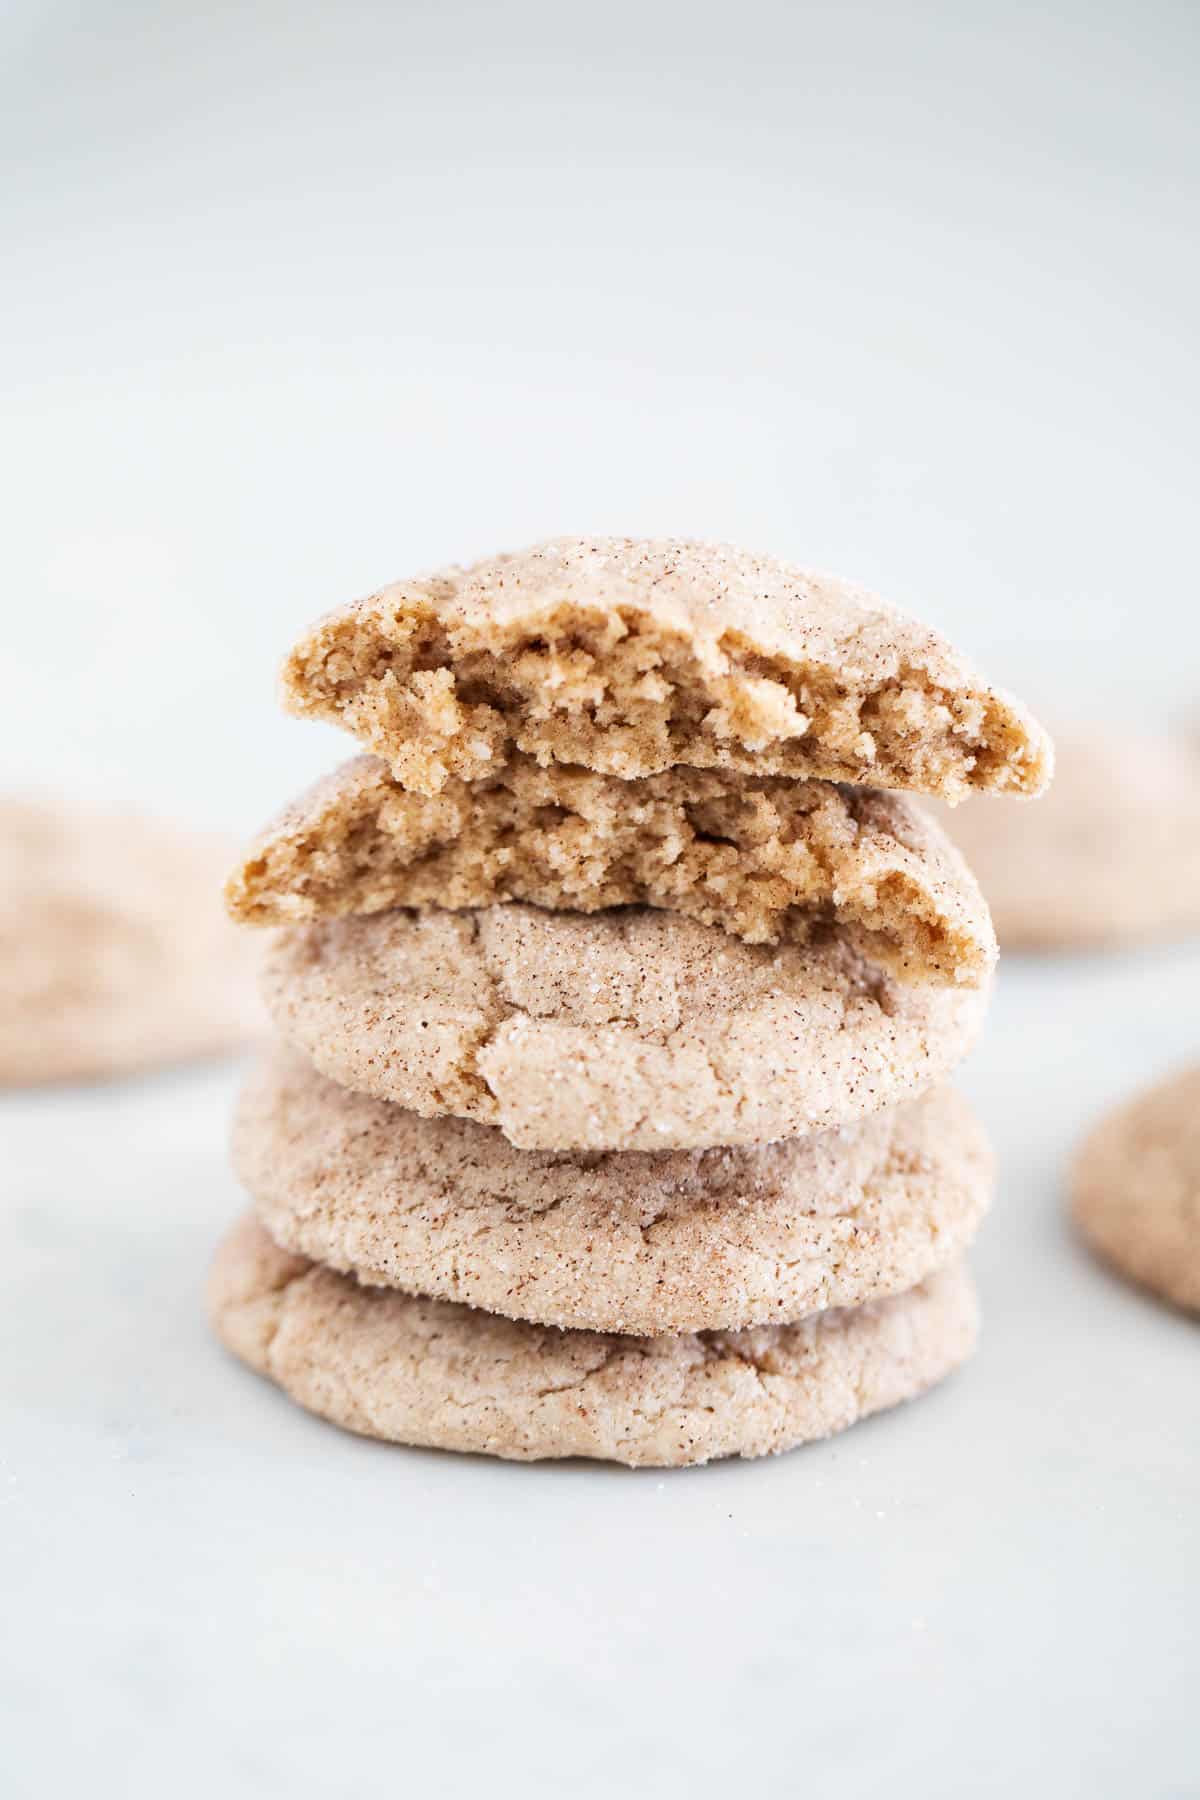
x=297, y=300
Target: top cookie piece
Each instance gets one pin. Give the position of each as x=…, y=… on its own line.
x=630, y=656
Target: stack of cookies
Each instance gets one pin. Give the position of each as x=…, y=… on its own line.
x=616, y=996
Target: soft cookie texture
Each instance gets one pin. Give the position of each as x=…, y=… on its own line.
x=1110, y=856
x=682, y=1240
x=767, y=859
x=114, y=951
x=426, y=1372
x=1135, y=1188
x=626, y=1030
x=630, y=656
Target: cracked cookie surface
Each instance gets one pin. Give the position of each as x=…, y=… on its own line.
x=1135, y=1188
x=768, y=859
x=630, y=656
x=427, y=1372
x=636, y=1242
x=114, y=952
x=627, y=1030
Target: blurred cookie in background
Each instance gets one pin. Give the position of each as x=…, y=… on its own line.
x=1135, y=1188
x=115, y=953
x=1109, y=856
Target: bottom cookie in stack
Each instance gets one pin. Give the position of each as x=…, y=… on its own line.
x=430, y=1372
x=646, y=1308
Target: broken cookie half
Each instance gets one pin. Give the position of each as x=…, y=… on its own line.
x=770, y=860
x=630, y=656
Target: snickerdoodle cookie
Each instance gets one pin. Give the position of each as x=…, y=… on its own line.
x=114, y=951
x=678, y=1240
x=1110, y=856
x=1135, y=1188
x=428, y=1372
x=627, y=1030
x=768, y=859
x=630, y=656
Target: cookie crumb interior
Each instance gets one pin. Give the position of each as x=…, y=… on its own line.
x=767, y=859
x=618, y=691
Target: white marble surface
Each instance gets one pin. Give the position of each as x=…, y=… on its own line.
x=298, y=298
x=205, y=1591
